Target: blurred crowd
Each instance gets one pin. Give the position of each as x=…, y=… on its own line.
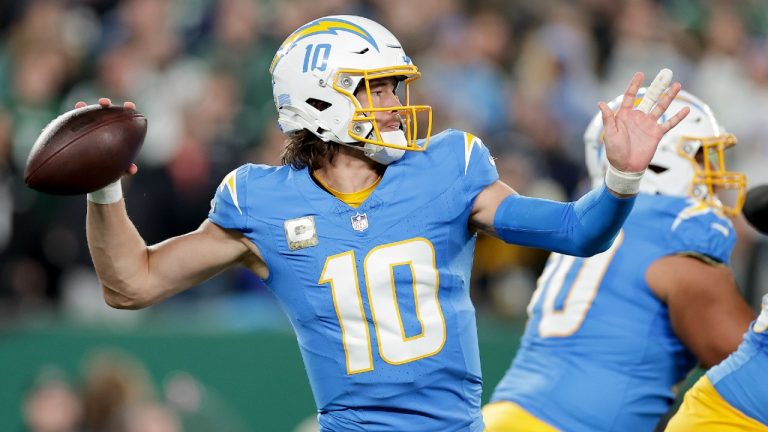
x=114, y=392
x=525, y=76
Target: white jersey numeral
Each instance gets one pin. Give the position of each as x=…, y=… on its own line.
x=579, y=295
x=394, y=346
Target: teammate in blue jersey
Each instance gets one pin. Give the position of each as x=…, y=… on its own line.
x=609, y=336
x=366, y=233
x=732, y=396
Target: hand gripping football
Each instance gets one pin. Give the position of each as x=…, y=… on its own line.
x=85, y=149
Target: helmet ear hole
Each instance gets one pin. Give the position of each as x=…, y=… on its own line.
x=318, y=104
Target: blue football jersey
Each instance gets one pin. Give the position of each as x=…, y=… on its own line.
x=599, y=352
x=378, y=295
x=740, y=379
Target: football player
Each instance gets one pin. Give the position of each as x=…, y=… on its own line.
x=366, y=233
x=731, y=396
x=609, y=336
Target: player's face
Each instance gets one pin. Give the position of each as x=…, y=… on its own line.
x=383, y=94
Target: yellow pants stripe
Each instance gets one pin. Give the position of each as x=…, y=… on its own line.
x=511, y=417
x=704, y=410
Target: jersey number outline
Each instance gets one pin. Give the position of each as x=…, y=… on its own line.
x=340, y=271
x=580, y=293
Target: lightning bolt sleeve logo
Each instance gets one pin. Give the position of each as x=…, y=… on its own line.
x=470, y=141
x=230, y=183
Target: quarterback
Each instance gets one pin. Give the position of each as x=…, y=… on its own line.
x=365, y=234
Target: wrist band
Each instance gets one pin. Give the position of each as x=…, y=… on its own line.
x=623, y=183
x=109, y=194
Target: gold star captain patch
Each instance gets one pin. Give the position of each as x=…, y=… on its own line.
x=300, y=233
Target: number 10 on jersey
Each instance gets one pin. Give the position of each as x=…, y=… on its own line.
x=340, y=271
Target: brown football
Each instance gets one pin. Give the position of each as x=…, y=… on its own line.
x=85, y=149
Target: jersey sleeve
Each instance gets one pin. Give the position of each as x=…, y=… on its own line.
x=479, y=167
x=706, y=235
x=229, y=205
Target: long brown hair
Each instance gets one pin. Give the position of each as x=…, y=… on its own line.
x=304, y=149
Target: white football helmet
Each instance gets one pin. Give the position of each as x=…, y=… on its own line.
x=317, y=70
x=689, y=162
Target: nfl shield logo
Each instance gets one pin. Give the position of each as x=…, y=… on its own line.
x=360, y=222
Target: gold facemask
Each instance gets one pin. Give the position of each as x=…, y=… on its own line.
x=710, y=172
x=342, y=82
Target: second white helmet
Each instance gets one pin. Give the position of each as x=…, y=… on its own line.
x=690, y=160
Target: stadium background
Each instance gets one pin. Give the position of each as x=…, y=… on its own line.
x=524, y=76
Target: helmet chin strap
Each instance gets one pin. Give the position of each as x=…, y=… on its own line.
x=382, y=154
x=387, y=155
